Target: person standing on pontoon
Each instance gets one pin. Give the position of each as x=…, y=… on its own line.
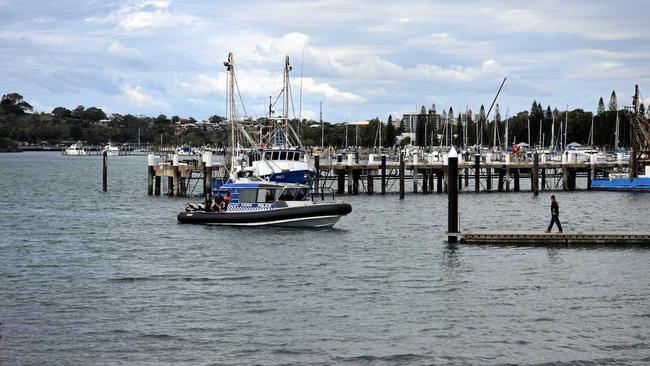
x=555, y=215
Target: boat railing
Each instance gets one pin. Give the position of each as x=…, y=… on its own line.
x=323, y=191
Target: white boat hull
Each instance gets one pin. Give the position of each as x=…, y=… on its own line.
x=76, y=152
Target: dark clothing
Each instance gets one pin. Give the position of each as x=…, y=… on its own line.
x=555, y=216
x=555, y=219
x=555, y=209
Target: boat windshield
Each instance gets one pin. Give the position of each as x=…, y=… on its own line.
x=293, y=194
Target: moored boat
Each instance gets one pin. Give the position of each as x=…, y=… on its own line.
x=111, y=150
x=623, y=182
x=76, y=149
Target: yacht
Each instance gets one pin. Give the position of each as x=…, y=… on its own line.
x=111, y=150
x=76, y=149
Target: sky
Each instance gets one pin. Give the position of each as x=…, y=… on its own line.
x=362, y=59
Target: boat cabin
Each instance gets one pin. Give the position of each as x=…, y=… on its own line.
x=277, y=155
x=260, y=194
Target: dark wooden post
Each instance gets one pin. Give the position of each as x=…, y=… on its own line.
x=430, y=178
x=340, y=175
x=488, y=182
x=356, y=174
x=535, y=175
x=383, y=174
x=438, y=181
x=371, y=182
x=589, y=177
x=517, y=180
x=501, y=179
x=317, y=177
x=565, y=178
x=401, y=175
x=543, y=179
x=157, y=185
x=452, y=207
x=477, y=173
x=104, y=172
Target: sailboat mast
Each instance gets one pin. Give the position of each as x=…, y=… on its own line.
x=566, y=124
x=322, y=129
x=552, y=143
x=232, y=115
x=285, y=115
x=616, y=142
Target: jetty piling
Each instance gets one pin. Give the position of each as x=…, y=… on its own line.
x=452, y=207
x=207, y=172
x=401, y=176
x=104, y=172
x=477, y=173
x=150, y=173
x=535, y=175
x=383, y=174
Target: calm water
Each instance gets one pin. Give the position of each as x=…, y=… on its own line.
x=110, y=278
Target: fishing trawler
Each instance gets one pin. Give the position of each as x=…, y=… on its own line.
x=276, y=154
x=256, y=202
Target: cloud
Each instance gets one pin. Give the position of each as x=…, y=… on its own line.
x=144, y=14
x=117, y=48
x=137, y=96
x=258, y=83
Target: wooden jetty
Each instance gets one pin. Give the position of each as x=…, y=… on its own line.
x=431, y=176
x=539, y=238
x=182, y=175
x=172, y=175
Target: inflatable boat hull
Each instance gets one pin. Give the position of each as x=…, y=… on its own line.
x=318, y=215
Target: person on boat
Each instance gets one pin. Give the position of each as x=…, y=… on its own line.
x=208, y=202
x=216, y=205
x=269, y=196
x=226, y=201
x=555, y=215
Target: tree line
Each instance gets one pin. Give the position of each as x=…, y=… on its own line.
x=92, y=125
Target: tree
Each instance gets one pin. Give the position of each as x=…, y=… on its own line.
x=613, y=105
x=641, y=110
x=13, y=103
x=176, y=119
x=601, y=107
x=78, y=112
x=61, y=112
x=93, y=114
x=390, y=131
x=216, y=119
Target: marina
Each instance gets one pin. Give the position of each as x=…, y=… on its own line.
x=327, y=183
